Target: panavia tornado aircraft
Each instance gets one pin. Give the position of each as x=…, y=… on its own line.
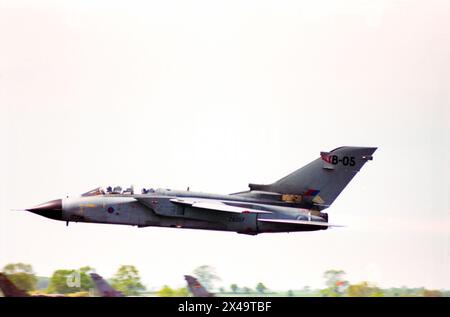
x=196, y=288
x=293, y=203
x=103, y=288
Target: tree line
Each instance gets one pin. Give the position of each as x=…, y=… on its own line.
x=127, y=280
x=68, y=281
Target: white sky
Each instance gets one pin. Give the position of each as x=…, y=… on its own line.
x=217, y=94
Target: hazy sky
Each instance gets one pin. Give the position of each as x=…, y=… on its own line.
x=217, y=94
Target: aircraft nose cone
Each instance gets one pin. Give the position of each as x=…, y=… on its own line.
x=51, y=209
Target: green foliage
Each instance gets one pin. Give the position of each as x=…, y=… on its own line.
x=431, y=293
x=70, y=281
x=364, y=289
x=127, y=280
x=167, y=291
x=336, y=285
x=206, y=275
x=260, y=287
x=21, y=275
x=181, y=292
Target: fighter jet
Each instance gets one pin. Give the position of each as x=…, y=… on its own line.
x=104, y=289
x=294, y=203
x=196, y=288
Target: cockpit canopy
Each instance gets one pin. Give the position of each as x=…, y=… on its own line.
x=94, y=192
x=116, y=190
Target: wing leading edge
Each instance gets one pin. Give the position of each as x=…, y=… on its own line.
x=218, y=206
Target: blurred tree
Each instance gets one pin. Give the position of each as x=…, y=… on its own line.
x=246, y=289
x=21, y=275
x=290, y=293
x=234, y=288
x=70, y=281
x=336, y=285
x=166, y=291
x=222, y=290
x=260, y=287
x=364, y=289
x=431, y=293
x=58, y=282
x=127, y=280
x=181, y=292
x=206, y=275
x=86, y=282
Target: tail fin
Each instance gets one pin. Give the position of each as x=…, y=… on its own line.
x=104, y=288
x=9, y=289
x=322, y=180
x=196, y=288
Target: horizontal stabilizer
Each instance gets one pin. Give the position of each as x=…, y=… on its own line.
x=218, y=206
x=300, y=222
